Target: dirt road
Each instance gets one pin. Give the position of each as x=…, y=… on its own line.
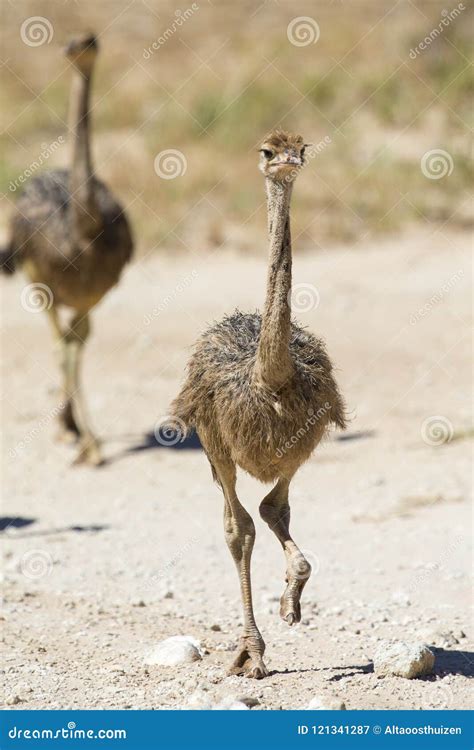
x=102, y=564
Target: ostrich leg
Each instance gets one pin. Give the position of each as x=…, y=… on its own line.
x=240, y=536
x=75, y=339
x=275, y=511
x=68, y=429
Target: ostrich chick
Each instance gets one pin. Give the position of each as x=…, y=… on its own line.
x=254, y=383
x=72, y=238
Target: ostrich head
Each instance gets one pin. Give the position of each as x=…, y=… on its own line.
x=282, y=156
x=82, y=51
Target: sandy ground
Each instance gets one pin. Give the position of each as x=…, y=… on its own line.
x=102, y=564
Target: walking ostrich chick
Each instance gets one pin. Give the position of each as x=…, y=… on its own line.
x=70, y=235
x=254, y=384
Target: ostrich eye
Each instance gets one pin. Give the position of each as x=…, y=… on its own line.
x=267, y=153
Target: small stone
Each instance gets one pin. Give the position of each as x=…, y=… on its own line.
x=179, y=649
x=325, y=703
x=403, y=659
x=199, y=701
x=13, y=700
x=216, y=628
x=249, y=700
x=230, y=704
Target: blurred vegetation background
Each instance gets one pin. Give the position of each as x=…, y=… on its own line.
x=224, y=77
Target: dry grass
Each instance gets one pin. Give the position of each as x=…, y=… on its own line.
x=228, y=75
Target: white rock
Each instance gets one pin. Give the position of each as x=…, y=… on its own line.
x=199, y=700
x=403, y=659
x=179, y=649
x=230, y=704
x=325, y=703
x=13, y=700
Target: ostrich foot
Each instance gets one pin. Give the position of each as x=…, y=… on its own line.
x=68, y=431
x=249, y=661
x=89, y=452
x=296, y=577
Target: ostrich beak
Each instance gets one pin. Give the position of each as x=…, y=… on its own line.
x=295, y=160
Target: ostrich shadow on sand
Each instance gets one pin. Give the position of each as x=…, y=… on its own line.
x=173, y=440
x=151, y=440
x=12, y=526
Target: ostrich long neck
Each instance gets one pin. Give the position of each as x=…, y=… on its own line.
x=86, y=213
x=274, y=365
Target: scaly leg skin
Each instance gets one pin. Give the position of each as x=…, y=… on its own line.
x=68, y=431
x=240, y=536
x=275, y=511
x=89, y=447
x=249, y=661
